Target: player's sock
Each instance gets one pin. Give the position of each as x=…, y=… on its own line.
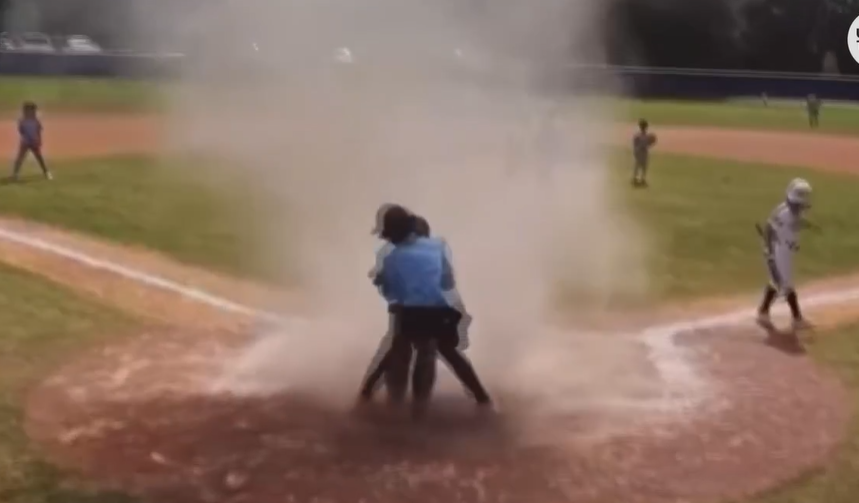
x=767, y=300
x=793, y=303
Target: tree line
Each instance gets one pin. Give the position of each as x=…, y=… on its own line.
x=770, y=35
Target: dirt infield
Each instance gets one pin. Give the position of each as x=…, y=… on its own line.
x=156, y=431
x=141, y=416
x=98, y=135
x=77, y=136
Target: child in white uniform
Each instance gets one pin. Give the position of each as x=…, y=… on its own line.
x=780, y=243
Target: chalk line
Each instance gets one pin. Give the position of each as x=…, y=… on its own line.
x=667, y=356
x=153, y=281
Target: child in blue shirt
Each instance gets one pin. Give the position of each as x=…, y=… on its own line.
x=30, y=135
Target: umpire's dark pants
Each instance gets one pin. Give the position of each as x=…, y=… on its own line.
x=424, y=332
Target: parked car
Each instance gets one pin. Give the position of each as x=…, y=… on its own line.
x=81, y=44
x=34, y=42
x=7, y=42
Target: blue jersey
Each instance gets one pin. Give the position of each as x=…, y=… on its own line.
x=417, y=273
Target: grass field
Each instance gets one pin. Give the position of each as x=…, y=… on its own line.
x=113, y=198
x=42, y=325
x=834, y=118
x=80, y=95
x=700, y=214
x=113, y=95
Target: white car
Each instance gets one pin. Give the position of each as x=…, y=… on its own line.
x=35, y=42
x=7, y=42
x=81, y=44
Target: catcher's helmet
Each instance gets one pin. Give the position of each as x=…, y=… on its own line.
x=422, y=227
x=394, y=223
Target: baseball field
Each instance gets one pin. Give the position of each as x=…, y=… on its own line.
x=126, y=285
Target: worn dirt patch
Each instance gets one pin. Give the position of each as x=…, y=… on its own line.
x=77, y=136
x=822, y=152
x=157, y=432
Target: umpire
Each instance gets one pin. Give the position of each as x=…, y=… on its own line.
x=414, y=279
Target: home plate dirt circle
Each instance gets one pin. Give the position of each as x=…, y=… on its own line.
x=124, y=417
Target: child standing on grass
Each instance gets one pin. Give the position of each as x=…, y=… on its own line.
x=642, y=142
x=30, y=133
x=812, y=105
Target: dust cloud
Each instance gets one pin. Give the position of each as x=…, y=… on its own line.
x=329, y=108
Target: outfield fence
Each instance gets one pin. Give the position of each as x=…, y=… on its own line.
x=720, y=84
x=677, y=83
x=89, y=65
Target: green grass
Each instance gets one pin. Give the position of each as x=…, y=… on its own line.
x=140, y=201
x=834, y=118
x=42, y=325
x=70, y=94
x=700, y=214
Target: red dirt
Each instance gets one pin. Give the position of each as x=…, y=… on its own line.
x=98, y=135
x=827, y=153
x=776, y=416
x=78, y=136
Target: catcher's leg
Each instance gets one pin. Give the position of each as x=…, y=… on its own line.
x=374, y=376
x=378, y=365
x=464, y=371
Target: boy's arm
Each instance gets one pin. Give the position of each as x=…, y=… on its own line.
x=380, y=261
x=768, y=237
x=448, y=280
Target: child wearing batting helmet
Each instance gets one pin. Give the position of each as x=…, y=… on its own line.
x=780, y=235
